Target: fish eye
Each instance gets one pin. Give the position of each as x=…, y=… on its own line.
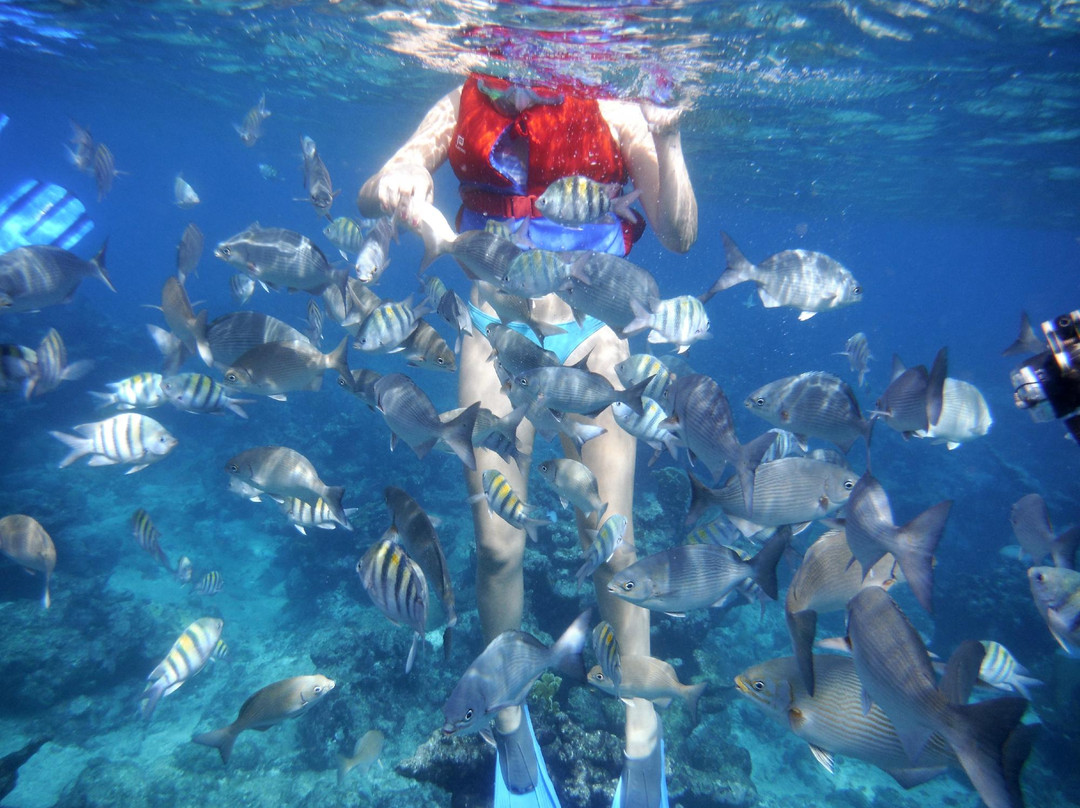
x=599, y=677
x=759, y=685
x=858, y=290
x=628, y=586
x=759, y=401
x=233, y=468
x=225, y=250
x=441, y=361
x=1040, y=577
x=468, y=714
x=318, y=689
x=849, y=484
x=523, y=382
x=230, y=377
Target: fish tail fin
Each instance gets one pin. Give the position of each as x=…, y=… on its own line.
x=150, y=697
x=457, y=434
x=631, y=396
x=692, y=694
x=738, y=269
x=620, y=206
x=343, y=768
x=80, y=447
x=338, y=359
x=436, y=233
x=221, y=739
x=202, y=344
x=1063, y=548
x=99, y=265
x=332, y=496
x=802, y=626
x=992, y=747
x=918, y=540
x=764, y=563
x=935, y=386
x=642, y=319
x=171, y=347
x=701, y=500
x=566, y=651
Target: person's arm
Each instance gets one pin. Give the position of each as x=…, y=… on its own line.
x=407, y=174
x=652, y=147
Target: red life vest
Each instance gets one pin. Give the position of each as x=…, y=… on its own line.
x=563, y=139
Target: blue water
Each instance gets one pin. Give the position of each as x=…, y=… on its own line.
x=935, y=154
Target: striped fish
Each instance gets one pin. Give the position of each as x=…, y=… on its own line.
x=52, y=366
x=604, y=285
x=184, y=570
x=647, y=427
x=314, y=329
x=426, y=348
x=719, y=531
x=242, y=287
x=835, y=721
x=812, y=405
x=183, y=194
x=639, y=367
x=125, y=438
x=964, y=416
x=396, y=584
x=188, y=251
x=141, y=391
x=536, y=273
x=388, y=326
x=317, y=178
x=36, y=212
x=646, y=677
x=681, y=321
x=147, y=536
x=607, y=539
x=280, y=259
x=251, y=130
x=502, y=501
x=221, y=650
x=187, y=657
x=304, y=515
x=346, y=235
x=434, y=290
x=857, y=351
x=576, y=200
x=34, y=277
x=1000, y=669
x=456, y=312
x=606, y=648
x=25, y=541
x=211, y=583
x=16, y=365
x=374, y=255
x=574, y=483
x=197, y=392
x=104, y=170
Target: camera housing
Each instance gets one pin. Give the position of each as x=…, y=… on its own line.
x=1048, y=384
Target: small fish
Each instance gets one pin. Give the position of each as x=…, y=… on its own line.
x=914, y=398
x=197, y=392
x=504, y=672
x=606, y=287
x=82, y=151
x=125, y=438
x=188, y=251
x=24, y=541
x=184, y=570
x=268, y=172
x=1030, y=521
x=52, y=368
x=809, y=281
x=397, y=585
x=221, y=650
x=317, y=182
x=364, y=755
x=641, y=367
x=211, y=583
x=576, y=389
x=514, y=99
x=786, y=444
x=455, y=311
x=647, y=427
x=606, y=541
x=37, y=276
x=242, y=287
x=1027, y=342
x=577, y=200
x=345, y=234
x=188, y=655
x=232, y=335
x=104, y=170
x=276, y=368
x=17, y=364
x=536, y=273
x=575, y=484
x=857, y=351
x=251, y=130
x=425, y=348
x=412, y=418
x=871, y=533
x=388, y=326
x=1000, y=669
x=646, y=677
x=373, y=257
x=147, y=536
x=184, y=194
x=283, y=472
x=314, y=330
x=606, y=649
x=964, y=416
x=268, y=707
x=1057, y=597
x=681, y=321
x=812, y=405
x=185, y=325
x=502, y=501
x=304, y=515
x=280, y=259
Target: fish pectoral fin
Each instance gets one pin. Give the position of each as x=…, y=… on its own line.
x=909, y=778
x=824, y=758
x=806, y=315
x=675, y=614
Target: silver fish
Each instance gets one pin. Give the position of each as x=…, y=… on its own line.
x=82, y=151
x=317, y=182
x=251, y=130
x=697, y=576
x=314, y=323
x=388, y=326
x=425, y=348
x=268, y=172
x=364, y=755
x=125, y=438
x=303, y=515
x=16, y=365
x=267, y=707
x=504, y=672
x=25, y=541
x=964, y=415
x=536, y=273
x=373, y=257
x=280, y=259
x=362, y=385
x=188, y=327
x=606, y=649
x=604, y=544
x=871, y=533
x=141, y=391
x=857, y=351
x=184, y=570
x=197, y=392
x=242, y=287
x=805, y=280
x=896, y=674
x=396, y=584
x=284, y=472
x=575, y=484
x=412, y=417
x=647, y=427
x=52, y=368
x=38, y=276
x=681, y=321
x=914, y=398
x=504, y=502
x=346, y=234
x=604, y=286
x=188, y=251
x=575, y=389
x=184, y=194
x=277, y=368
x=232, y=335
x=1030, y=521
x=639, y=367
x=147, y=536
x=1057, y=597
x=481, y=255
x=188, y=655
x=104, y=170
x=578, y=200
x=646, y=677
x=812, y=405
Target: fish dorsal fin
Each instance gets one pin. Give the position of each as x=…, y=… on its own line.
x=583, y=363
x=824, y=758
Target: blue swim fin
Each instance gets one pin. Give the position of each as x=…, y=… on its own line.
x=642, y=783
x=521, y=778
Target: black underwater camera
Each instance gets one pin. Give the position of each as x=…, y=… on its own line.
x=1048, y=384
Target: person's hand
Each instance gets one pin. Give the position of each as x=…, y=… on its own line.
x=398, y=184
x=661, y=120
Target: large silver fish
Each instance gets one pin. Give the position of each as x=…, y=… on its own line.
x=697, y=576
x=37, y=276
x=126, y=438
x=277, y=368
x=681, y=321
x=574, y=483
x=1057, y=597
x=964, y=416
x=646, y=677
x=230, y=336
x=267, y=707
x=1031, y=525
x=280, y=259
x=25, y=541
x=284, y=472
x=871, y=533
x=317, y=182
x=812, y=405
x=191, y=651
x=575, y=388
x=606, y=287
x=805, y=280
x=397, y=585
x=412, y=418
x=188, y=251
x=896, y=674
x=505, y=671
x=915, y=397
